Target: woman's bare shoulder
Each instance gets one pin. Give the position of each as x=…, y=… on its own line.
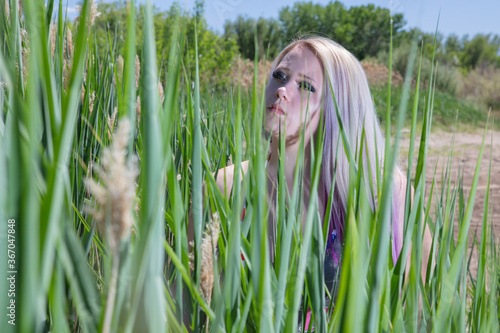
x=225, y=176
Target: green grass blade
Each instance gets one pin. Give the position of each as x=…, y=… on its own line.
x=148, y=301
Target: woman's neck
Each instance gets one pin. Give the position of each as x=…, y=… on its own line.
x=289, y=163
x=291, y=153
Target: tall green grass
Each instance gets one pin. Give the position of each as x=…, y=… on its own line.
x=446, y=108
x=71, y=277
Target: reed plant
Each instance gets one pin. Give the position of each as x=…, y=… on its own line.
x=100, y=165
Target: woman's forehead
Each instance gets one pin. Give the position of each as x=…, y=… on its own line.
x=302, y=59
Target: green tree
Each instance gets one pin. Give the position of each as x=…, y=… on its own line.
x=243, y=30
x=110, y=26
x=364, y=30
x=452, y=48
x=309, y=18
x=216, y=53
x=371, y=29
x=480, y=51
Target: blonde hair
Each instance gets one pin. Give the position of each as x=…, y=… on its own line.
x=345, y=76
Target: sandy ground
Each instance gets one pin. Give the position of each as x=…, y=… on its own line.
x=464, y=160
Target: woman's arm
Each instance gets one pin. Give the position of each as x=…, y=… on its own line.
x=401, y=181
x=426, y=252
x=224, y=182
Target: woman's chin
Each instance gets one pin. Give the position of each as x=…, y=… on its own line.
x=273, y=123
x=273, y=130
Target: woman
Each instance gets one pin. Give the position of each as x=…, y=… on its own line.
x=299, y=90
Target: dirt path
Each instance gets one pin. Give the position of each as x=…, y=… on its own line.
x=465, y=157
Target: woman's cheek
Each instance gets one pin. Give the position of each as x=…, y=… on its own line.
x=317, y=103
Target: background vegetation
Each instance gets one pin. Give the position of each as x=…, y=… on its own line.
x=468, y=66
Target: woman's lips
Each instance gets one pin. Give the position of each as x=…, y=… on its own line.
x=276, y=108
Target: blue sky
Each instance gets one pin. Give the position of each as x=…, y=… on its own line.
x=457, y=16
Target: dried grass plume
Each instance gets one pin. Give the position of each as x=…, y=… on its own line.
x=120, y=62
x=111, y=121
x=25, y=54
x=7, y=10
x=208, y=251
x=161, y=92
x=137, y=71
x=91, y=102
x=53, y=35
x=93, y=13
x=115, y=195
x=138, y=108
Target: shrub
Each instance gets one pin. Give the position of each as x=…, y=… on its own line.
x=447, y=78
x=482, y=85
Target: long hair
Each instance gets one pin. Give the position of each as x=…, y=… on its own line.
x=345, y=76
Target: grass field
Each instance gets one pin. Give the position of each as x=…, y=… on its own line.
x=100, y=165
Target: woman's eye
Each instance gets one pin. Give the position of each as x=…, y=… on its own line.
x=279, y=76
x=307, y=86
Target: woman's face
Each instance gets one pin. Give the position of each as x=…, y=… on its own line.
x=296, y=85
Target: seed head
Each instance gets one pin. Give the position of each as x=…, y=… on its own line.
x=91, y=103
x=93, y=13
x=208, y=247
x=137, y=71
x=111, y=121
x=53, y=35
x=160, y=91
x=67, y=69
x=119, y=68
x=191, y=256
x=7, y=10
x=138, y=108
x=25, y=52
x=115, y=195
x=69, y=44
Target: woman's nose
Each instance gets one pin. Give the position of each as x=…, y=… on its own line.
x=282, y=94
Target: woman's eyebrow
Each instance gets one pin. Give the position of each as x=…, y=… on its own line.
x=307, y=77
x=286, y=69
